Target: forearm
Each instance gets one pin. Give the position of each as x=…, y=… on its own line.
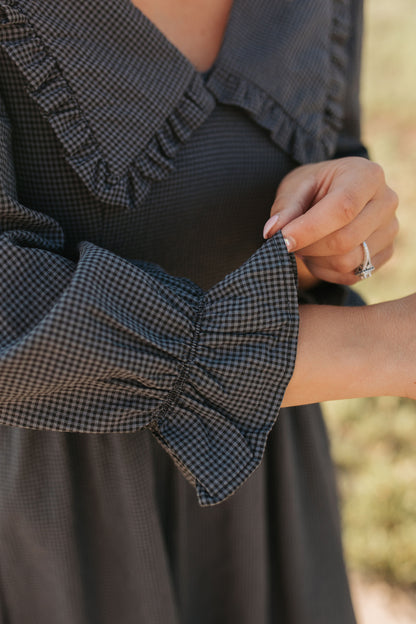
x=352, y=352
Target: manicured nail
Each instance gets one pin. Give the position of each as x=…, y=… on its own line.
x=269, y=225
x=289, y=242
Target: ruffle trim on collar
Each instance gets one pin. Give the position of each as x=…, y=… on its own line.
x=305, y=144
x=269, y=114
x=48, y=88
x=53, y=94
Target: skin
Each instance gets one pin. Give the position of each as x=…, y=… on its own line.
x=346, y=353
x=195, y=27
x=325, y=211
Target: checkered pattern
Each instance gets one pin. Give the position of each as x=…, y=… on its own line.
x=94, y=343
x=101, y=527
x=303, y=116
x=99, y=344
x=108, y=346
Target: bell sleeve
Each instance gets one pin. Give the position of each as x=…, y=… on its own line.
x=99, y=344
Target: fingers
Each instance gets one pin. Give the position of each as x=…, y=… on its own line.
x=378, y=215
x=340, y=268
x=326, y=210
x=293, y=198
x=335, y=211
x=351, y=258
x=316, y=200
x=347, y=278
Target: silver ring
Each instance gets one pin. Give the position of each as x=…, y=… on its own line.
x=366, y=268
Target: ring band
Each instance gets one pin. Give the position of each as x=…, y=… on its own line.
x=366, y=268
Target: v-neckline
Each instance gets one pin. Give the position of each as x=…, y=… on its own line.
x=207, y=72
x=142, y=81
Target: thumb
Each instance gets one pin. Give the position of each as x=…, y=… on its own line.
x=293, y=198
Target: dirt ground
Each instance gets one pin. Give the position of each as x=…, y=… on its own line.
x=377, y=603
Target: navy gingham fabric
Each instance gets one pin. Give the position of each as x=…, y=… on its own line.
x=108, y=346
x=92, y=342
x=123, y=153
x=298, y=96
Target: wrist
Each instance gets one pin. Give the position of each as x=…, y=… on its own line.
x=346, y=352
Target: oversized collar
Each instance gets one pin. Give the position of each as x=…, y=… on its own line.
x=122, y=99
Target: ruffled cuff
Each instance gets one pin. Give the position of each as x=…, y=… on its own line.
x=128, y=347
x=216, y=423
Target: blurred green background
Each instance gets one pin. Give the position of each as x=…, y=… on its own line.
x=374, y=440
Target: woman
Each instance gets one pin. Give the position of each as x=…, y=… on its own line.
x=155, y=135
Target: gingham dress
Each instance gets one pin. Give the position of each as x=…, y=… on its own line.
x=147, y=333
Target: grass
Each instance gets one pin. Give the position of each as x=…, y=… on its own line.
x=374, y=440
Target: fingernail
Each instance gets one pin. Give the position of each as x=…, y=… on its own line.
x=269, y=225
x=289, y=242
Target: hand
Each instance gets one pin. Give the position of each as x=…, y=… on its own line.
x=326, y=210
